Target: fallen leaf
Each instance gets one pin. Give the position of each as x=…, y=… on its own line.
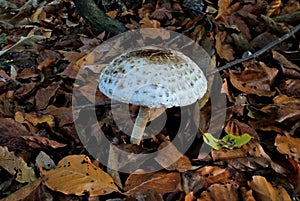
x=288, y=145
x=86, y=177
x=274, y=8
x=40, y=141
x=10, y=127
x=62, y=114
x=161, y=182
x=44, y=161
x=44, y=95
x=37, y=118
x=16, y=166
x=224, y=50
x=251, y=149
x=172, y=159
x=148, y=23
x=290, y=87
x=253, y=80
x=247, y=194
x=24, y=192
x=237, y=128
x=223, y=7
x=215, y=174
x=263, y=190
x=24, y=41
x=229, y=141
x=219, y=192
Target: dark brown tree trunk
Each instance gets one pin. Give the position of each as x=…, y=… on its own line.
x=90, y=12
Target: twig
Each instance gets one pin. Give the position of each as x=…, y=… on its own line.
x=259, y=52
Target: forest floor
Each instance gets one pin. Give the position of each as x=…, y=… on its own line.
x=45, y=44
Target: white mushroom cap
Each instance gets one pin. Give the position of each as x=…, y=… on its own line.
x=153, y=78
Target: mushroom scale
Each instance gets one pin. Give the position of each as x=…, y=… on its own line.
x=153, y=78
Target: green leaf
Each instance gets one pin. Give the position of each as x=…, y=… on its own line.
x=229, y=141
x=211, y=141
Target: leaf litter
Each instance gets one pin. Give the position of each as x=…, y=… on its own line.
x=39, y=61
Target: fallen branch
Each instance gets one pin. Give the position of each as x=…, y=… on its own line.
x=259, y=52
x=97, y=18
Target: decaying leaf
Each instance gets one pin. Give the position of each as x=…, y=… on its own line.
x=288, y=145
x=214, y=175
x=253, y=80
x=35, y=118
x=16, y=166
x=86, y=177
x=251, y=149
x=274, y=8
x=223, y=7
x=23, y=192
x=229, y=141
x=43, y=141
x=220, y=192
x=166, y=158
x=161, y=182
x=224, y=50
x=20, y=45
x=263, y=190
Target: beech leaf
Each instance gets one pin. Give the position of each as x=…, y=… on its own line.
x=85, y=177
x=229, y=141
x=16, y=166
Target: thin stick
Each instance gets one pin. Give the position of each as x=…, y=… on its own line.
x=259, y=52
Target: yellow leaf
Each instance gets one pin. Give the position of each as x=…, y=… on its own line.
x=76, y=174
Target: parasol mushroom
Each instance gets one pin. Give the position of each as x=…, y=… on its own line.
x=152, y=78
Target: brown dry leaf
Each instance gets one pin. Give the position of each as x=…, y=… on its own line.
x=283, y=61
x=253, y=149
x=23, y=192
x=20, y=117
x=193, y=182
x=274, y=8
x=25, y=90
x=39, y=140
x=145, y=195
x=113, y=14
x=10, y=127
x=288, y=145
x=16, y=166
x=290, y=87
x=147, y=23
x=62, y=114
x=219, y=192
x=161, y=182
x=248, y=163
x=238, y=128
x=167, y=157
x=263, y=190
x=253, y=80
x=162, y=14
x=37, y=118
x=287, y=109
x=189, y=196
x=38, y=15
x=86, y=177
x=223, y=7
x=224, y=50
x=156, y=33
x=247, y=194
x=44, y=95
x=215, y=174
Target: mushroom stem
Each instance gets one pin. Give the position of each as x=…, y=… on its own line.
x=139, y=125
